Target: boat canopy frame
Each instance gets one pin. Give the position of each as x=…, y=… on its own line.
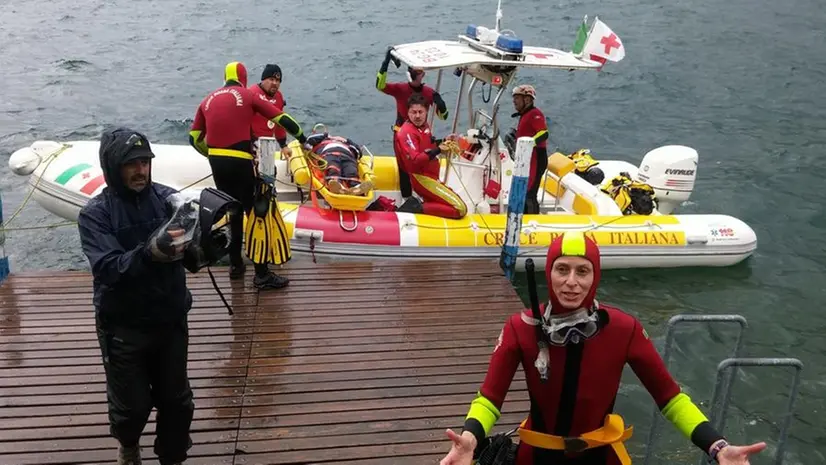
x=493, y=60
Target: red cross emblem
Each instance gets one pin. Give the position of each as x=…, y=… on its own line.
x=610, y=42
x=540, y=55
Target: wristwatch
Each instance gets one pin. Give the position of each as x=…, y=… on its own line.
x=717, y=448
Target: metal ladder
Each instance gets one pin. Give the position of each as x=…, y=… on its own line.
x=726, y=371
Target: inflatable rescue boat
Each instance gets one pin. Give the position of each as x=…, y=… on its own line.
x=65, y=175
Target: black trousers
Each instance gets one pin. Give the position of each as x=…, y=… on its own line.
x=146, y=368
x=236, y=177
x=341, y=166
x=404, y=182
x=531, y=198
x=405, y=187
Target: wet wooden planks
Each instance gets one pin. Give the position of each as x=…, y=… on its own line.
x=353, y=363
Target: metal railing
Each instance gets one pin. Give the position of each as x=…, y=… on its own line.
x=726, y=374
x=718, y=412
x=669, y=342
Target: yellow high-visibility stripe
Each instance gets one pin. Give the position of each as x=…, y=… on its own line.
x=684, y=414
x=230, y=153
x=483, y=411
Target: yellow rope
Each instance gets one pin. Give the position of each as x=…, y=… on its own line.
x=29, y=195
x=4, y=226
x=317, y=162
x=588, y=227
x=48, y=226
x=445, y=228
x=451, y=147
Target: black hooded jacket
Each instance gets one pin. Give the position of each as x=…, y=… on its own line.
x=129, y=287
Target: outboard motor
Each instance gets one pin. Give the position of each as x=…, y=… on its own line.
x=671, y=171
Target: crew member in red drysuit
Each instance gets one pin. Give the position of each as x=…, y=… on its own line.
x=269, y=89
x=585, y=346
x=532, y=124
x=401, y=92
x=222, y=132
x=419, y=151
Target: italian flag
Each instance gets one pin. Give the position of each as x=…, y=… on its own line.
x=600, y=44
x=581, y=36
x=82, y=177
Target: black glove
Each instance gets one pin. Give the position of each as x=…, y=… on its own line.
x=389, y=56
x=164, y=244
x=386, y=62
x=161, y=248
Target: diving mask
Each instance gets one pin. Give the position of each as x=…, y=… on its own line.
x=573, y=327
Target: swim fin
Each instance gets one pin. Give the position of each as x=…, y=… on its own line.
x=266, y=239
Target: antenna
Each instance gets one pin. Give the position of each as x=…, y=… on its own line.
x=498, y=15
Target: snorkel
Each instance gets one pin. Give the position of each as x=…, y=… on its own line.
x=541, y=338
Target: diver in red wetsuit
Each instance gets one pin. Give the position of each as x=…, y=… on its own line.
x=269, y=89
x=532, y=124
x=401, y=92
x=584, y=348
x=419, y=151
x=222, y=132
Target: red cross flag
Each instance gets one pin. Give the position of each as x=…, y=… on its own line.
x=603, y=44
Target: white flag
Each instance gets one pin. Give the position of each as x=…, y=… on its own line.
x=603, y=44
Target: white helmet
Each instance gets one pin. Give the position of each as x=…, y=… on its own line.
x=525, y=89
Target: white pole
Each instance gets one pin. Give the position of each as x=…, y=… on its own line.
x=516, y=204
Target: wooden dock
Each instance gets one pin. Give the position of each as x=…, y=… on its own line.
x=362, y=363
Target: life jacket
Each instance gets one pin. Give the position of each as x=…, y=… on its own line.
x=632, y=197
x=583, y=160
x=586, y=167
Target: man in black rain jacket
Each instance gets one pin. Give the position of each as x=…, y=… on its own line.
x=141, y=301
